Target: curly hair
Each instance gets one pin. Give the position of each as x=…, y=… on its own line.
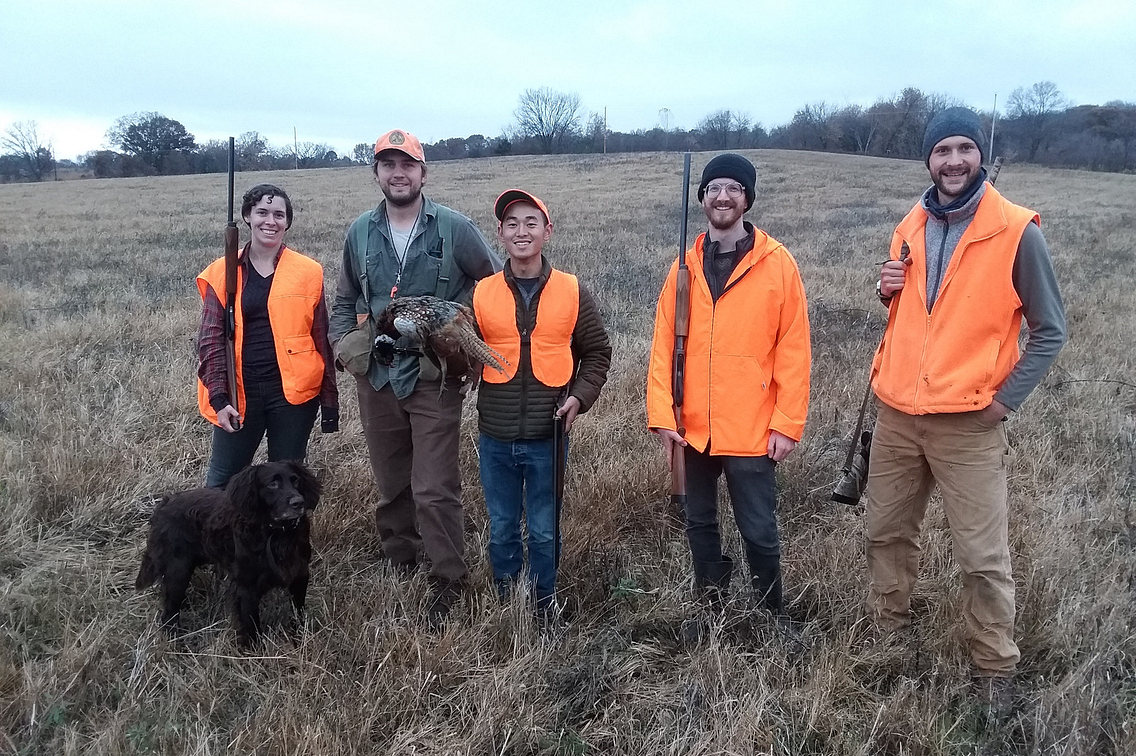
x=259, y=192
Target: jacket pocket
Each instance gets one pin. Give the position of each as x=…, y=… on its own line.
x=305, y=364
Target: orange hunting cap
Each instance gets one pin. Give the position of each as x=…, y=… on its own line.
x=510, y=196
x=403, y=141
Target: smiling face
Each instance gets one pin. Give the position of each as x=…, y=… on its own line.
x=400, y=177
x=268, y=221
x=522, y=232
x=955, y=163
x=724, y=203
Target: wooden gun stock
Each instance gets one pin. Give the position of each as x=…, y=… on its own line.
x=678, y=361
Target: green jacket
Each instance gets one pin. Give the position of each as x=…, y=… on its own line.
x=522, y=408
x=473, y=259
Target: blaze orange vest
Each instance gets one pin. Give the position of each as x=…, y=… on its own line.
x=550, y=343
x=297, y=287
x=954, y=358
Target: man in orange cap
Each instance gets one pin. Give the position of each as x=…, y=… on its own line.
x=548, y=328
x=411, y=246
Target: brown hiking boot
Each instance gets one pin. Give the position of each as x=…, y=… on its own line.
x=995, y=692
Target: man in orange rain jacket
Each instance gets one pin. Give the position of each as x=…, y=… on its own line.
x=946, y=374
x=747, y=381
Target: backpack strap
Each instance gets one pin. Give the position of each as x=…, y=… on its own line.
x=362, y=230
x=446, y=231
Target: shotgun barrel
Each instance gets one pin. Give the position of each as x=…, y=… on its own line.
x=231, y=272
x=559, y=462
x=681, y=330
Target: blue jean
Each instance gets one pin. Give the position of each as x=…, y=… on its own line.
x=518, y=477
x=267, y=411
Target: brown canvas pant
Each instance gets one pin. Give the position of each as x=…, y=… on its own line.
x=967, y=458
x=413, y=445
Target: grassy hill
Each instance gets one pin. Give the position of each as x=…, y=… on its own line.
x=98, y=317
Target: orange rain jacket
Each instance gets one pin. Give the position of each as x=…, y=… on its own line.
x=550, y=342
x=747, y=357
x=954, y=358
x=297, y=287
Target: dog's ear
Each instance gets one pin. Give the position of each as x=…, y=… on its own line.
x=244, y=490
x=310, y=486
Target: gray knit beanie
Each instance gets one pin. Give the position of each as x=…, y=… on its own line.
x=734, y=166
x=953, y=122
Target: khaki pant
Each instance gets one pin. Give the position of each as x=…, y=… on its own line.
x=967, y=458
x=413, y=445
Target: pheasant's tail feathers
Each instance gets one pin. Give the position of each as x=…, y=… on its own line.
x=479, y=350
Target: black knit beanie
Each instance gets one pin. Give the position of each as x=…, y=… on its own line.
x=734, y=166
x=953, y=122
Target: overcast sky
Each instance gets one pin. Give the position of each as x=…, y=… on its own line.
x=344, y=71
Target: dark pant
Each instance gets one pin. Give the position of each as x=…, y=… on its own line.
x=518, y=477
x=266, y=411
x=413, y=445
x=753, y=494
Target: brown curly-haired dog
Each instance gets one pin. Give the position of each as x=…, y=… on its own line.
x=255, y=530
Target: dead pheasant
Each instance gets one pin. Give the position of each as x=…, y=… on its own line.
x=445, y=332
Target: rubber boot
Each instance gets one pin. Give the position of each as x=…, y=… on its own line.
x=711, y=588
x=765, y=575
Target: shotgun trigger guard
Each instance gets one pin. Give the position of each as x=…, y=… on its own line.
x=679, y=381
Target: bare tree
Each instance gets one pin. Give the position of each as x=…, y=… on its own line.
x=719, y=125
x=548, y=116
x=313, y=154
x=252, y=151
x=363, y=152
x=813, y=127
x=1035, y=109
x=34, y=157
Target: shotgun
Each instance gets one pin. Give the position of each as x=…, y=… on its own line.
x=678, y=360
x=559, y=460
x=231, y=270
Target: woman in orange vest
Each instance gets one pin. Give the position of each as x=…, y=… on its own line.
x=285, y=371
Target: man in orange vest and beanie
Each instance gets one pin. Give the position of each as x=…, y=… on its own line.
x=548, y=328
x=746, y=390
x=966, y=266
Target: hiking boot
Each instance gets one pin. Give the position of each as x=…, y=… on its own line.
x=445, y=594
x=711, y=589
x=549, y=614
x=995, y=692
x=765, y=577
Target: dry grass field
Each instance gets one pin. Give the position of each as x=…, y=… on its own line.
x=98, y=318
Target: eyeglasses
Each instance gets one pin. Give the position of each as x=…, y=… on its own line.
x=733, y=190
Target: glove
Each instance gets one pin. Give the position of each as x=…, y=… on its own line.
x=329, y=419
x=384, y=350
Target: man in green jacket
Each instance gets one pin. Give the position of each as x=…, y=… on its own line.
x=548, y=328
x=411, y=427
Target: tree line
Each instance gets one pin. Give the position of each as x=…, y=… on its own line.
x=1039, y=126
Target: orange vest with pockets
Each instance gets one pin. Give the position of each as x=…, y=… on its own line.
x=550, y=343
x=297, y=287
x=954, y=358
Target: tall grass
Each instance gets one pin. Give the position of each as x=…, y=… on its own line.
x=98, y=317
